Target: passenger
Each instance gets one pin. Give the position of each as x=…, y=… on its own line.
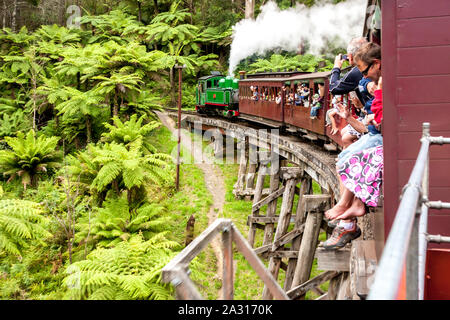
x=316, y=105
x=349, y=134
x=290, y=99
x=278, y=99
x=297, y=97
x=351, y=80
x=329, y=117
x=255, y=93
x=304, y=95
x=360, y=165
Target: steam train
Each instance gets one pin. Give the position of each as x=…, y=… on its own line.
x=254, y=97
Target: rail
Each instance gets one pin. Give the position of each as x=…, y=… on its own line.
x=177, y=270
x=406, y=246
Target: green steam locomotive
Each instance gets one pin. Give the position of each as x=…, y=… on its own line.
x=216, y=94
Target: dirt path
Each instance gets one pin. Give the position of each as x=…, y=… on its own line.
x=214, y=182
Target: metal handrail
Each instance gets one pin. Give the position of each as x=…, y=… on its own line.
x=407, y=242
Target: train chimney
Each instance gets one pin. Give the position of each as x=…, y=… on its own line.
x=242, y=75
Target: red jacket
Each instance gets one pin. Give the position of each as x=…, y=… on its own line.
x=377, y=105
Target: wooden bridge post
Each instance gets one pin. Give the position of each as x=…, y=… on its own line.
x=315, y=205
x=272, y=206
x=240, y=184
x=300, y=219
x=290, y=175
x=252, y=163
x=256, y=198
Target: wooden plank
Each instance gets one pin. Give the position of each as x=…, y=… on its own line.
x=184, y=287
x=271, y=208
x=307, y=248
x=267, y=199
x=288, y=237
x=338, y=260
x=433, y=31
x=300, y=290
x=283, y=223
x=300, y=219
x=194, y=248
x=262, y=219
x=363, y=265
x=407, y=9
x=317, y=202
x=423, y=61
x=250, y=192
x=409, y=87
x=283, y=254
x=258, y=266
x=257, y=197
x=227, y=268
x=262, y=249
x=243, y=146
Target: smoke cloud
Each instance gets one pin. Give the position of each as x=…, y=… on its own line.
x=290, y=29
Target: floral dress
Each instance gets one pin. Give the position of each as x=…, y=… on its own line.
x=362, y=174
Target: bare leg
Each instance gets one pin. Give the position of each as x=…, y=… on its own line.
x=357, y=209
x=343, y=204
x=348, y=139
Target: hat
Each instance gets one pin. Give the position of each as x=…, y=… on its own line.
x=316, y=96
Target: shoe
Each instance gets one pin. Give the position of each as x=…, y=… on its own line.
x=340, y=237
x=333, y=223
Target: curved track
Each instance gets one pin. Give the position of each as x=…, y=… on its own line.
x=317, y=162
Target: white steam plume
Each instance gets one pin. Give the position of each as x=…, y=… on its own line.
x=289, y=29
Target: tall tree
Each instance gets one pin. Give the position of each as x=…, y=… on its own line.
x=249, y=9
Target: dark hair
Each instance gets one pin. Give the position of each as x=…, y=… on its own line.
x=368, y=53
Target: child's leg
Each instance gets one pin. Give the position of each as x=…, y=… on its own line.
x=348, y=139
x=334, y=128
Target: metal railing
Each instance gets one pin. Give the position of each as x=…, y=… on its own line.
x=406, y=246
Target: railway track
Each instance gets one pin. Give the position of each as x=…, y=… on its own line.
x=311, y=156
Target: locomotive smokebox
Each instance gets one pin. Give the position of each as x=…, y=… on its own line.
x=242, y=75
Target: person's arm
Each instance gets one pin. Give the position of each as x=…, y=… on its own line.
x=348, y=83
x=345, y=114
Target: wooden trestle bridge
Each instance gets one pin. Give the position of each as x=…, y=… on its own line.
x=290, y=238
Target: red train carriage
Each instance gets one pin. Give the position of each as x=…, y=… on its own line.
x=292, y=116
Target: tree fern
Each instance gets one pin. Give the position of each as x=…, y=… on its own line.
x=129, y=131
x=20, y=221
x=29, y=157
x=128, y=166
x=115, y=222
x=130, y=270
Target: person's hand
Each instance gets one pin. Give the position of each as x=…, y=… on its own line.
x=380, y=83
x=342, y=111
x=356, y=102
x=338, y=61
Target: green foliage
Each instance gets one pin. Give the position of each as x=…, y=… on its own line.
x=11, y=124
x=127, y=132
x=306, y=63
x=130, y=166
x=115, y=222
x=131, y=270
x=20, y=220
x=29, y=157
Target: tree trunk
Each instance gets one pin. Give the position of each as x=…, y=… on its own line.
x=14, y=17
x=88, y=128
x=249, y=9
x=155, y=2
x=172, y=88
x=139, y=11
x=116, y=103
x=4, y=14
